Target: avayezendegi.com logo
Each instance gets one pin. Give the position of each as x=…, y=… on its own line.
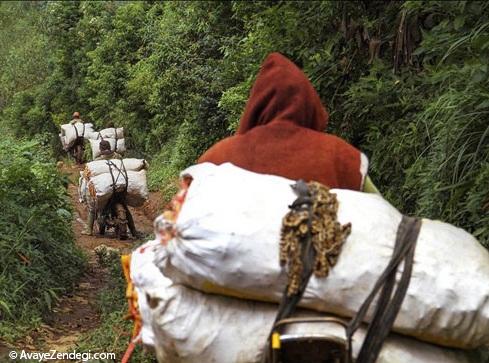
x=54, y=355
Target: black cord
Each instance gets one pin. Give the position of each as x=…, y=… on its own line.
x=390, y=300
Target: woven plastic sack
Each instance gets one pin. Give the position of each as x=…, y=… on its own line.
x=63, y=142
x=96, y=191
x=82, y=189
x=70, y=132
x=193, y=327
x=109, y=133
x=137, y=190
x=98, y=167
x=145, y=276
x=118, y=146
x=228, y=243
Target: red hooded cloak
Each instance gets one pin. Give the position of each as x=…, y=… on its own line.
x=281, y=132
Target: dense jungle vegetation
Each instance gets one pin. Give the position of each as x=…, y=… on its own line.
x=405, y=81
x=38, y=258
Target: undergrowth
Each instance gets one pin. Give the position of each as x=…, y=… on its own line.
x=404, y=81
x=113, y=334
x=38, y=258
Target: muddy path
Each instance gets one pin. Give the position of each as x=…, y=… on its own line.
x=76, y=314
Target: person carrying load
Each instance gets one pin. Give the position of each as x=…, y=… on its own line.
x=78, y=148
x=116, y=208
x=281, y=133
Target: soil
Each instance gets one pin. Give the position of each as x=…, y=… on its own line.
x=76, y=313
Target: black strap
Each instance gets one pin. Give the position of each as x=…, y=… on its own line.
x=125, y=175
x=308, y=254
x=121, y=172
x=76, y=130
x=388, y=304
x=288, y=303
x=391, y=298
x=109, y=164
x=115, y=136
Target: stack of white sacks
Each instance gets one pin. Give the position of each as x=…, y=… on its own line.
x=101, y=178
x=70, y=132
x=115, y=136
x=228, y=244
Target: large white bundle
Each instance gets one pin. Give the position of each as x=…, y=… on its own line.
x=193, y=327
x=145, y=275
x=84, y=129
x=70, y=132
x=98, y=167
x=118, y=146
x=100, y=188
x=109, y=133
x=229, y=243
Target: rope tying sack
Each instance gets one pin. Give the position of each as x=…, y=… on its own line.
x=87, y=173
x=121, y=171
x=133, y=308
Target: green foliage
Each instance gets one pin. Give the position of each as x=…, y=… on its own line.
x=110, y=62
x=114, y=333
x=176, y=75
x=23, y=51
x=38, y=258
x=173, y=92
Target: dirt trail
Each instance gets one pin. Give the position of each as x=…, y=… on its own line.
x=76, y=313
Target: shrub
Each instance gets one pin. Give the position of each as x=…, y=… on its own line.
x=37, y=252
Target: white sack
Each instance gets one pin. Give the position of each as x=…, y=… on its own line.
x=109, y=133
x=137, y=188
x=119, y=146
x=63, y=142
x=82, y=188
x=229, y=243
x=71, y=132
x=145, y=275
x=98, y=167
x=193, y=327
